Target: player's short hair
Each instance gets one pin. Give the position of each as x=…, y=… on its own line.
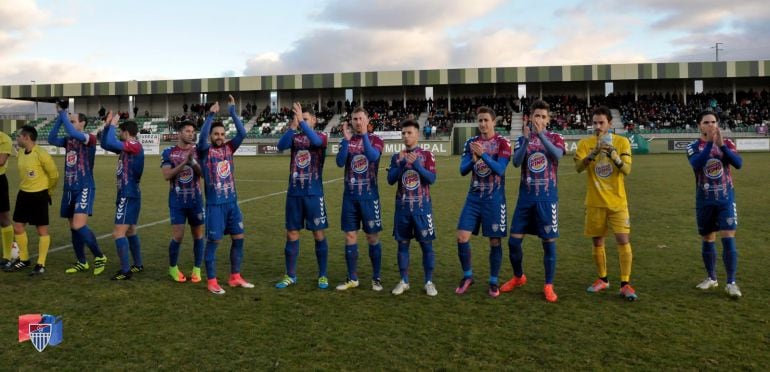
x=360, y=109
x=704, y=113
x=539, y=105
x=29, y=131
x=308, y=109
x=130, y=127
x=486, y=110
x=410, y=123
x=82, y=117
x=603, y=110
x=214, y=125
x=185, y=123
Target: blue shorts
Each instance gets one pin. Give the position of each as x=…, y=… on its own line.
x=418, y=226
x=195, y=215
x=127, y=211
x=491, y=216
x=711, y=218
x=223, y=219
x=358, y=213
x=539, y=218
x=306, y=212
x=77, y=201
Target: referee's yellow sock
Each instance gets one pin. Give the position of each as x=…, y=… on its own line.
x=626, y=257
x=600, y=259
x=22, y=242
x=42, y=246
x=7, y=235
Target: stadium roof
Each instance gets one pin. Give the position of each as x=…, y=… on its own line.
x=490, y=75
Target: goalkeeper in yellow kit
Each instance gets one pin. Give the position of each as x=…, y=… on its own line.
x=606, y=158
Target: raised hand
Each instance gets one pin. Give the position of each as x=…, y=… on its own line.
x=215, y=107
x=411, y=157
x=346, y=133
x=717, y=137
x=230, y=100
x=477, y=149
x=525, y=130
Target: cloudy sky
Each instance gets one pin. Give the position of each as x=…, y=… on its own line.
x=56, y=41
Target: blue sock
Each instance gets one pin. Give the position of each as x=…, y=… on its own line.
x=351, y=259
x=428, y=260
x=730, y=258
x=464, y=252
x=198, y=248
x=89, y=239
x=709, y=253
x=549, y=261
x=211, y=259
x=290, y=253
x=516, y=255
x=375, y=255
x=495, y=261
x=79, y=246
x=236, y=256
x=321, y=255
x=136, y=249
x=122, y=245
x=403, y=260
x=173, y=252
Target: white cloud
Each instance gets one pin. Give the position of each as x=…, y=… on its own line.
x=405, y=14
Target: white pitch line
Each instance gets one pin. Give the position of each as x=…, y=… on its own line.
x=100, y=237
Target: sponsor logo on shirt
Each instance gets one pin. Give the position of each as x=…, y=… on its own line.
x=481, y=168
x=537, y=162
x=302, y=159
x=360, y=163
x=603, y=169
x=713, y=169
x=72, y=158
x=410, y=179
x=186, y=175
x=223, y=169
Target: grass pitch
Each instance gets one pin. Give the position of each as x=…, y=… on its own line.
x=151, y=322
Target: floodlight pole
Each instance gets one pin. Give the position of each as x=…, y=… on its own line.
x=717, y=49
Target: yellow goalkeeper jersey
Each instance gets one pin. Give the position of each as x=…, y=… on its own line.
x=37, y=171
x=606, y=185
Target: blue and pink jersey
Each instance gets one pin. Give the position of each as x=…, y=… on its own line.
x=413, y=191
x=539, y=169
x=307, y=161
x=486, y=184
x=130, y=163
x=361, y=166
x=217, y=162
x=184, y=189
x=713, y=176
x=79, y=156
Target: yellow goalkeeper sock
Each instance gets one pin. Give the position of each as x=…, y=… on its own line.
x=600, y=259
x=626, y=257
